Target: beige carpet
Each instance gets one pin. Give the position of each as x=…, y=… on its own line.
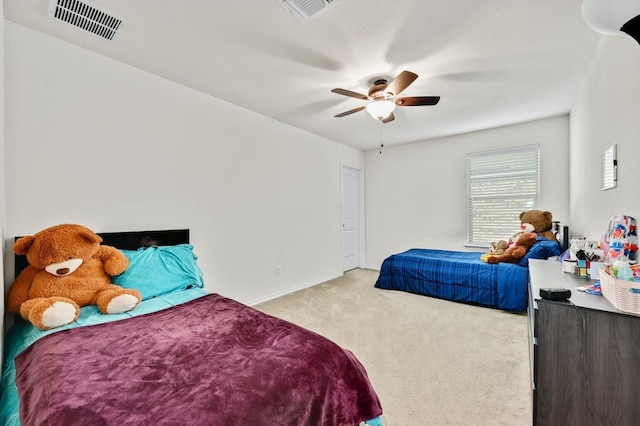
x=431, y=361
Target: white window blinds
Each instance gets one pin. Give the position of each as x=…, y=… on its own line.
x=500, y=185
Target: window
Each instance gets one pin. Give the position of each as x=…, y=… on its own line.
x=500, y=185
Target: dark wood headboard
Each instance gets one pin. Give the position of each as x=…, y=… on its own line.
x=128, y=241
x=136, y=239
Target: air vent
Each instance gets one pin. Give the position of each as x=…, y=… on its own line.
x=85, y=16
x=305, y=9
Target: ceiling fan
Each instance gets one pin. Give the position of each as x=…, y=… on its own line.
x=381, y=97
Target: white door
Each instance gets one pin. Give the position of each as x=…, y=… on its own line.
x=350, y=218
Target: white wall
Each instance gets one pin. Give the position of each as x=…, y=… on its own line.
x=93, y=141
x=2, y=204
x=607, y=112
x=416, y=193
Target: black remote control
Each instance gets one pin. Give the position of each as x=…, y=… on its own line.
x=555, y=293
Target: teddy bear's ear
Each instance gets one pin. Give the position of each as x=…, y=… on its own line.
x=22, y=244
x=90, y=236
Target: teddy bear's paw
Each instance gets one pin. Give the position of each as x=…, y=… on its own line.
x=58, y=314
x=122, y=303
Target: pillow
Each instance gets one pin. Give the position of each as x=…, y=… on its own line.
x=160, y=269
x=543, y=248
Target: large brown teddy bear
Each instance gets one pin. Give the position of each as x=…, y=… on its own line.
x=515, y=253
x=68, y=268
x=541, y=221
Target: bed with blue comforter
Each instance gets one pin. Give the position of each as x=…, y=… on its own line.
x=462, y=276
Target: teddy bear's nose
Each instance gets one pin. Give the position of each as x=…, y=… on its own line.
x=63, y=268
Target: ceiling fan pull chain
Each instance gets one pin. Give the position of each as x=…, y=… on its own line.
x=381, y=140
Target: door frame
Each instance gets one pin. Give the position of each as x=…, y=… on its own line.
x=361, y=254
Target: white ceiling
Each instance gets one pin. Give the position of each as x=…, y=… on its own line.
x=493, y=62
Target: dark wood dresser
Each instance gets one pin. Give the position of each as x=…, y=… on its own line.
x=585, y=355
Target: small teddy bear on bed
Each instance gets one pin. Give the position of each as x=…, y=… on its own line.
x=500, y=246
x=518, y=251
x=68, y=269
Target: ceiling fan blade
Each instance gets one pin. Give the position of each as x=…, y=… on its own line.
x=350, y=93
x=401, y=82
x=389, y=118
x=351, y=111
x=418, y=100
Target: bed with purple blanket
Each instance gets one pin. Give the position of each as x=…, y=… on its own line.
x=462, y=276
x=181, y=357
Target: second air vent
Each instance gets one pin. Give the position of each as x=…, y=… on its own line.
x=85, y=16
x=305, y=9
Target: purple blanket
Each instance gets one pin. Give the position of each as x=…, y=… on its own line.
x=210, y=361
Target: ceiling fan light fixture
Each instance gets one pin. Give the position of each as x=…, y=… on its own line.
x=609, y=16
x=381, y=97
x=381, y=109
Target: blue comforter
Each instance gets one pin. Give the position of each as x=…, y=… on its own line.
x=457, y=276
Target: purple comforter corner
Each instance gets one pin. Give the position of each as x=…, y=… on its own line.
x=210, y=361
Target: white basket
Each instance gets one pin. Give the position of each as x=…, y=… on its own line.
x=623, y=294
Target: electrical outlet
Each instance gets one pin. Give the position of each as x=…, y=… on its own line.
x=278, y=270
